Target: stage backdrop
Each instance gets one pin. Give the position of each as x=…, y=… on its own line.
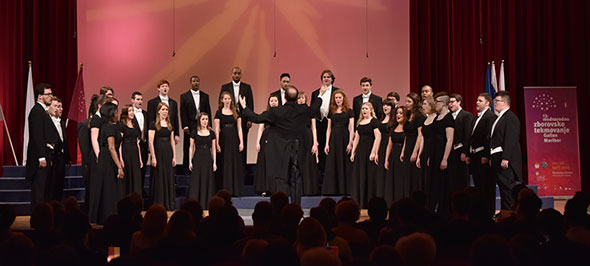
x=552, y=140
x=131, y=44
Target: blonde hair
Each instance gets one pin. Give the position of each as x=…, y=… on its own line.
x=361, y=115
x=158, y=126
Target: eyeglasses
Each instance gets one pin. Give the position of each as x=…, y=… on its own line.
x=499, y=100
x=47, y=94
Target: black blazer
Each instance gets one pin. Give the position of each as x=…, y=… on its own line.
x=277, y=93
x=314, y=98
x=480, y=135
x=172, y=113
x=188, y=110
x=54, y=140
x=507, y=135
x=84, y=141
x=245, y=90
x=463, y=126
x=375, y=100
x=146, y=124
x=38, y=120
x=287, y=123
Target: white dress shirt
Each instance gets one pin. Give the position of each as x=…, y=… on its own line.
x=197, y=99
x=283, y=100
x=165, y=100
x=57, y=124
x=236, y=90
x=325, y=107
x=497, y=119
x=366, y=97
x=140, y=119
x=456, y=113
x=479, y=116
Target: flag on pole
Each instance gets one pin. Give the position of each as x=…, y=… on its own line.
x=488, y=86
x=494, y=81
x=29, y=103
x=502, y=84
x=3, y=119
x=78, y=105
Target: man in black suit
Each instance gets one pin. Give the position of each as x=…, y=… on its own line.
x=286, y=134
x=236, y=89
x=321, y=123
x=458, y=170
x=141, y=116
x=163, y=88
x=505, y=155
x=192, y=102
x=479, y=152
x=367, y=96
x=38, y=156
x=280, y=93
x=57, y=142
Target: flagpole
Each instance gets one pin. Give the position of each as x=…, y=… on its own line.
x=8, y=134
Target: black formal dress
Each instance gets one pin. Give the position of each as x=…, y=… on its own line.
x=337, y=173
x=189, y=112
x=479, y=147
x=162, y=176
x=263, y=182
x=309, y=168
x=505, y=145
x=172, y=112
x=85, y=150
x=245, y=91
x=131, y=160
x=202, y=186
x=411, y=131
x=401, y=178
x=231, y=170
x=382, y=174
x=94, y=188
x=112, y=188
x=36, y=149
x=426, y=164
x=363, y=170
x=439, y=179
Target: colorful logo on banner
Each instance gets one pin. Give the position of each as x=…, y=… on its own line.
x=552, y=140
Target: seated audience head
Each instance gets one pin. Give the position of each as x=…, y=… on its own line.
x=576, y=211
x=280, y=252
x=18, y=249
x=58, y=215
x=416, y=249
x=262, y=215
x=225, y=195
x=310, y=234
x=490, y=250
x=460, y=205
x=215, y=203
x=551, y=224
x=330, y=205
x=514, y=192
x=181, y=226
x=279, y=200
x=154, y=222
x=348, y=212
x=76, y=227
x=377, y=209
x=385, y=255
x=71, y=204
x=323, y=216
x=42, y=217
x=291, y=215
x=253, y=252
x=320, y=256
x=7, y=217
x=528, y=204
x=419, y=197
x=194, y=208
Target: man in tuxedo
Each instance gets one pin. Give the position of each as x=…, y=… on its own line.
x=458, y=170
x=192, y=102
x=505, y=155
x=57, y=142
x=237, y=88
x=367, y=96
x=141, y=116
x=321, y=123
x=479, y=152
x=280, y=93
x=38, y=155
x=163, y=89
x=286, y=136
x=426, y=92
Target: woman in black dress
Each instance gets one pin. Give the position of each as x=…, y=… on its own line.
x=129, y=152
x=228, y=131
x=109, y=165
x=382, y=173
x=309, y=169
x=163, y=152
x=397, y=187
x=364, y=155
x=443, y=129
x=425, y=149
x=202, y=161
x=339, y=141
x=412, y=140
x=95, y=182
x=264, y=184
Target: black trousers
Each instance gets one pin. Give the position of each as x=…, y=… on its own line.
x=291, y=184
x=54, y=187
x=485, y=182
x=506, y=179
x=458, y=172
x=321, y=127
x=38, y=185
x=143, y=149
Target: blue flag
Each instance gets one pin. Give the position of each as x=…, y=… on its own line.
x=488, y=87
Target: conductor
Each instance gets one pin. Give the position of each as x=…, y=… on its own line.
x=285, y=137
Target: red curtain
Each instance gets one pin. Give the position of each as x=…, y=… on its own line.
x=543, y=42
x=43, y=32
